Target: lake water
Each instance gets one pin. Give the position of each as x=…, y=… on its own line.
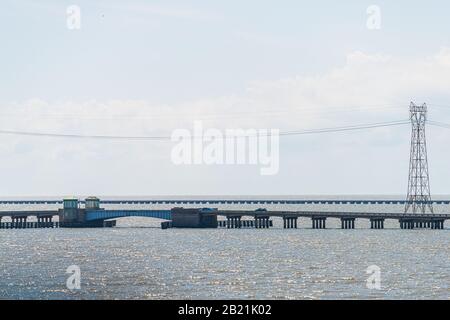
x=138, y=260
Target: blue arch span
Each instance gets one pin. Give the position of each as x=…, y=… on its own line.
x=111, y=214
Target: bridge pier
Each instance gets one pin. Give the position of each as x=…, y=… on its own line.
x=265, y=222
x=237, y=222
x=376, y=223
x=18, y=222
x=412, y=224
x=318, y=222
x=234, y=222
x=347, y=223
x=437, y=224
x=45, y=222
x=290, y=222
x=262, y=222
x=406, y=224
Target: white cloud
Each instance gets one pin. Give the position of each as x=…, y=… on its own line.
x=368, y=88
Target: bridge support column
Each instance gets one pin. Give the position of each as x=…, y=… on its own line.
x=259, y=222
x=262, y=222
x=319, y=223
x=347, y=223
x=233, y=222
x=236, y=222
x=437, y=224
x=266, y=223
x=409, y=224
x=406, y=224
x=290, y=222
x=376, y=223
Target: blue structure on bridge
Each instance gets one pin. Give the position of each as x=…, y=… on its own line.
x=95, y=215
x=75, y=216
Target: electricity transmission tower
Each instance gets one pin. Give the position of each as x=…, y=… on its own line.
x=418, y=199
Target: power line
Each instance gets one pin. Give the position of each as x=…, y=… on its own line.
x=347, y=128
x=254, y=113
x=439, y=124
x=166, y=138
x=439, y=106
x=81, y=136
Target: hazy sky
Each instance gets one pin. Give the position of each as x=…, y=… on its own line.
x=148, y=67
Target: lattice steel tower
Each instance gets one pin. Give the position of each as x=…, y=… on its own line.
x=418, y=199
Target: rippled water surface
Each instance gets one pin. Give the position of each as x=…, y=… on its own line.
x=138, y=260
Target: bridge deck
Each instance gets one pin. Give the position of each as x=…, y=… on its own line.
x=27, y=213
x=166, y=214
x=229, y=201
x=332, y=214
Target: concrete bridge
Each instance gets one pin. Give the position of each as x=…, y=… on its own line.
x=231, y=201
x=318, y=219
x=73, y=215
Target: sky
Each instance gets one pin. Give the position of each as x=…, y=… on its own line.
x=147, y=68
